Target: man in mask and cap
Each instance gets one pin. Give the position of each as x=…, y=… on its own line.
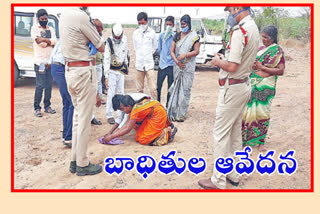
x=80, y=41
x=44, y=38
x=115, y=67
x=166, y=61
x=145, y=45
x=234, y=93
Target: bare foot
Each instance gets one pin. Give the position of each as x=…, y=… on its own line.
x=262, y=148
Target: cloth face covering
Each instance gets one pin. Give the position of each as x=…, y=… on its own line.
x=184, y=30
x=43, y=23
x=167, y=33
x=143, y=28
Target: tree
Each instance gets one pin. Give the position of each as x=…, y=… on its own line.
x=305, y=12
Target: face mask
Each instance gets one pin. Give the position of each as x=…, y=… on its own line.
x=235, y=15
x=185, y=29
x=231, y=21
x=143, y=27
x=116, y=41
x=167, y=33
x=43, y=23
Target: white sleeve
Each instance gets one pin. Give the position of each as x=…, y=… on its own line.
x=134, y=40
x=154, y=42
x=125, y=119
x=106, y=60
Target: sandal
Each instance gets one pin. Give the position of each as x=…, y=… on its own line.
x=173, y=134
x=38, y=113
x=50, y=110
x=111, y=121
x=94, y=121
x=67, y=143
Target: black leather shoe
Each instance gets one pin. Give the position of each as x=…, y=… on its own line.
x=91, y=169
x=94, y=121
x=233, y=183
x=73, y=166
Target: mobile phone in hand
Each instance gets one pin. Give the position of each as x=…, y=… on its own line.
x=46, y=34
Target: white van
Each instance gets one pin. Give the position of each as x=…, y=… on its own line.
x=209, y=44
x=23, y=50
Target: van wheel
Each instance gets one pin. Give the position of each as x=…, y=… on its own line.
x=16, y=74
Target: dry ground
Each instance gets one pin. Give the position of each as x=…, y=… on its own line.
x=41, y=161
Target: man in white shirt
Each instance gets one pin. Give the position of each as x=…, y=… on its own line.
x=115, y=60
x=145, y=44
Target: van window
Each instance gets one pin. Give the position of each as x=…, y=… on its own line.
x=196, y=25
x=155, y=24
x=24, y=21
x=23, y=25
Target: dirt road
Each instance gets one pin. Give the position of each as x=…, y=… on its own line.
x=41, y=161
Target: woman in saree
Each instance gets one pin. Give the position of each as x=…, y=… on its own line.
x=148, y=117
x=184, y=49
x=269, y=64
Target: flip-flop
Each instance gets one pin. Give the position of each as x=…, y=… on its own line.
x=111, y=121
x=175, y=129
x=50, y=110
x=114, y=141
x=38, y=113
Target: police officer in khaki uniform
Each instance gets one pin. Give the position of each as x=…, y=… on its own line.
x=76, y=31
x=234, y=93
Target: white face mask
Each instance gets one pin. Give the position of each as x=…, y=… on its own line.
x=143, y=27
x=116, y=41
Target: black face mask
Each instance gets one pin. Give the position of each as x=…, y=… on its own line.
x=43, y=23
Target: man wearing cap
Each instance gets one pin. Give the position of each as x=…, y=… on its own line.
x=234, y=93
x=44, y=39
x=145, y=45
x=77, y=34
x=115, y=67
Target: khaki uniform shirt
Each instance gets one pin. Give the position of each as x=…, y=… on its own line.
x=239, y=53
x=76, y=31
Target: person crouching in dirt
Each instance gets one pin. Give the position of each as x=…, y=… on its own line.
x=148, y=117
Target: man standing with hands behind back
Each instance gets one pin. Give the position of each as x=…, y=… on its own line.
x=80, y=40
x=145, y=45
x=234, y=93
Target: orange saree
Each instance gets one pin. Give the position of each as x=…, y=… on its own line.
x=153, y=119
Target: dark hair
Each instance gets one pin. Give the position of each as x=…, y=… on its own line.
x=170, y=18
x=272, y=32
x=116, y=102
x=41, y=12
x=127, y=100
x=246, y=8
x=142, y=15
x=186, y=18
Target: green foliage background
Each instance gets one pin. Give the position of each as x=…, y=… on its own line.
x=288, y=27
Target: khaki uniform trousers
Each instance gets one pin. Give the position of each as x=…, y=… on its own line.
x=82, y=86
x=227, y=127
x=150, y=75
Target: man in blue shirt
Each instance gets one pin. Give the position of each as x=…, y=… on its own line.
x=166, y=61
